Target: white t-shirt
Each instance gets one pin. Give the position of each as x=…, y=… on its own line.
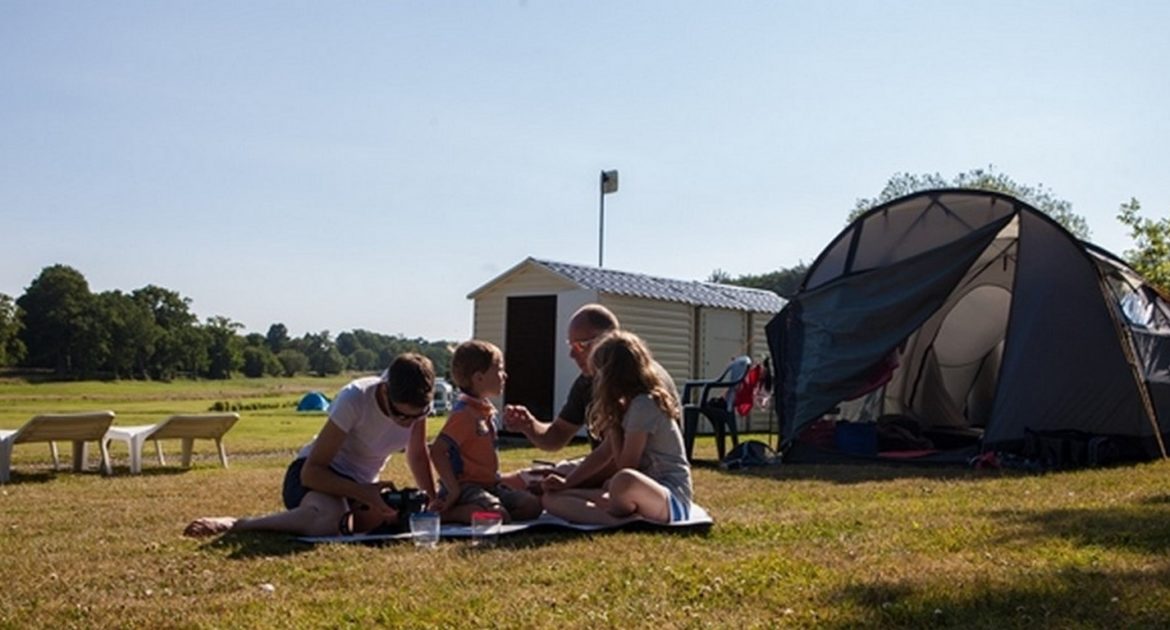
x=370, y=435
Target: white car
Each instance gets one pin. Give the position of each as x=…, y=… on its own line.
x=444, y=397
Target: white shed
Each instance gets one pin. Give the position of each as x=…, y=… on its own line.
x=693, y=328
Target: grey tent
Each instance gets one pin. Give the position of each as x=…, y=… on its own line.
x=982, y=323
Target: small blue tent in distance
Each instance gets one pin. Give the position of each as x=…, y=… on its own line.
x=313, y=401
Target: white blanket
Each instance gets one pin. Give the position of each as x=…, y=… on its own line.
x=699, y=519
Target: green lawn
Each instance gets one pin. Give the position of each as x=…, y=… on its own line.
x=801, y=546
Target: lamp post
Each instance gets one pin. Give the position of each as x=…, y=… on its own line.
x=609, y=184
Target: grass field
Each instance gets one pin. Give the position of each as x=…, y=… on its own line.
x=793, y=546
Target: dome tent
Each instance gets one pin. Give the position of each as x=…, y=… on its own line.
x=313, y=401
x=975, y=315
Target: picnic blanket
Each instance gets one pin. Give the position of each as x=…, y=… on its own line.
x=699, y=520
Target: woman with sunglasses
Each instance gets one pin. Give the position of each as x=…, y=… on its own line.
x=339, y=469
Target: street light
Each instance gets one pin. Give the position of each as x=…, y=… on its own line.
x=609, y=184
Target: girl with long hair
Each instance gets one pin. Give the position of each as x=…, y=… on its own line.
x=637, y=417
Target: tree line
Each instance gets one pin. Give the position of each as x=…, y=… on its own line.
x=1150, y=255
x=58, y=324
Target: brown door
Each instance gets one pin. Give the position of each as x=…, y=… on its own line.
x=530, y=353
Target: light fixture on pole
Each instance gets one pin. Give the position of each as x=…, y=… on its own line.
x=609, y=184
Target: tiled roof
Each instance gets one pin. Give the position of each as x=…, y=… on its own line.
x=685, y=291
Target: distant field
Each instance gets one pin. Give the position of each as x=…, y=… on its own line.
x=268, y=423
x=793, y=546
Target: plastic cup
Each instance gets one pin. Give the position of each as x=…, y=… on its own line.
x=485, y=528
x=424, y=529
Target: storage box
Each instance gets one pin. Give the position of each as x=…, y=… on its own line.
x=857, y=438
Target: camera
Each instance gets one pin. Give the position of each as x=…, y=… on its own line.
x=406, y=501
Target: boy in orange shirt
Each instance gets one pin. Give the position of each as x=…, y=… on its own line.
x=464, y=453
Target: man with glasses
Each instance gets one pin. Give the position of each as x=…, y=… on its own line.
x=586, y=326
x=371, y=418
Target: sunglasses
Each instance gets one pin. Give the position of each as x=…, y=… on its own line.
x=405, y=419
x=580, y=347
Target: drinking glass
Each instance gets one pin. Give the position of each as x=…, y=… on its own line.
x=424, y=529
x=485, y=528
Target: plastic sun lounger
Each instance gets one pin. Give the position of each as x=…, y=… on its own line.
x=188, y=428
x=78, y=428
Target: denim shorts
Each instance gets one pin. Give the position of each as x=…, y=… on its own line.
x=293, y=491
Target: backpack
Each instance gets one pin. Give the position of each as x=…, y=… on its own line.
x=749, y=453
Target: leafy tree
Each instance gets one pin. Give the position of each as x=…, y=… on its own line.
x=192, y=351
x=347, y=343
x=277, y=338
x=180, y=345
x=225, y=350
x=1037, y=196
x=53, y=307
x=328, y=362
x=720, y=276
x=12, y=349
x=255, y=340
x=386, y=347
x=253, y=366
x=784, y=282
x=294, y=361
x=363, y=360
x=324, y=357
x=1151, y=256
x=170, y=309
x=315, y=344
x=259, y=361
x=125, y=334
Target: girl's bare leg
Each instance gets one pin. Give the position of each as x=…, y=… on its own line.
x=632, y=492
x=586, y=505
x=317, y=515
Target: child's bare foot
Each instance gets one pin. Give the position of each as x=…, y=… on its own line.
x=209, y=526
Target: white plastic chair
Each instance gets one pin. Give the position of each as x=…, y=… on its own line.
x=185, y=427
x=78, y=428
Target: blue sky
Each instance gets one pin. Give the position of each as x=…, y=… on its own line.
x=334, y=166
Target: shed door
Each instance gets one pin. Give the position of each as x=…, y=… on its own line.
x=722, y=337
x=530, y=353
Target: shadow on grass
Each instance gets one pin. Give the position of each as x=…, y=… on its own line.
x=46, y=476
x=536, y=538
x=1141, y=527
x=162, y=471
x=34, y=477
x=249, y=545
x=540, y=538
x=1067, y=598
x=855, y=473
x=1158, y=499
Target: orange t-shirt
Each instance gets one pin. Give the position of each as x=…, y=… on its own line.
x=470, y=436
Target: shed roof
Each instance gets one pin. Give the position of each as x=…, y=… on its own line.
x=627, y=283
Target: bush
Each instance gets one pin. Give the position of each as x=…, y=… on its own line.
x=224, y=405
x=294, y=361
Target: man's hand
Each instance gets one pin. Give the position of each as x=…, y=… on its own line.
x=518, y=418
